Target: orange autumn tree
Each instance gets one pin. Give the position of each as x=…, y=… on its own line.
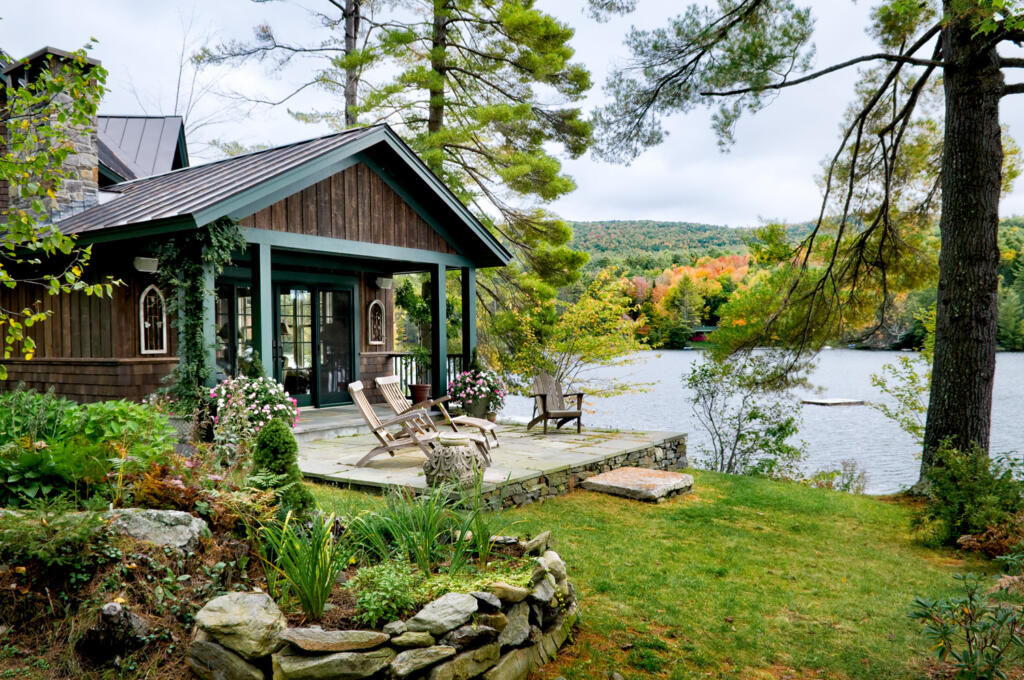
x=687, y=296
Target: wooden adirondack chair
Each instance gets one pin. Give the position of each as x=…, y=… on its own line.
x=549, y=404
x=392, y=391
x=412, y=432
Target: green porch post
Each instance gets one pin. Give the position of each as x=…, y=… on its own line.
x=439, y=330
x=210, y=324
x=468, y=315
x=262, y=306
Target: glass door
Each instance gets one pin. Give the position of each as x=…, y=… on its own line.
x=315, y=353
x=336, y=352
x=294, y=360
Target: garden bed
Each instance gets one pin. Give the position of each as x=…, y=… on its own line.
x=500, y=632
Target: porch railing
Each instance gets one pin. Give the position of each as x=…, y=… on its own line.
x=406, y=369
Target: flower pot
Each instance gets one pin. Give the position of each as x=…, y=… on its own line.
x=420, y=392
x=492, y=416
x=477, y=407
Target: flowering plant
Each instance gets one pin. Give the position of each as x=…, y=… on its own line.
x=473, y=385
x=245, y=405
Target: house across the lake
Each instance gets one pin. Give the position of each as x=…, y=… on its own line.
x=327, y=223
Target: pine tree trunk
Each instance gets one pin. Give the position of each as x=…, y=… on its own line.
x=438, y=64
x=352, y=15
x=960, y=406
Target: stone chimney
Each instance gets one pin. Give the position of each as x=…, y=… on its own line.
x=80, y=187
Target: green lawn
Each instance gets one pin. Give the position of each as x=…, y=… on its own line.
x=744, y=578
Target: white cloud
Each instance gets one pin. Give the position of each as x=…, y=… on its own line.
x=770, y=172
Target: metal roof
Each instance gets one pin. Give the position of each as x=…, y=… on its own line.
x=141, y=146
x=240, y=185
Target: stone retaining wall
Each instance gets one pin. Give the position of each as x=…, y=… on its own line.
x=669, y=454
x=501, y=633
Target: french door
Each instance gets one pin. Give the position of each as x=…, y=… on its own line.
x=314, y=352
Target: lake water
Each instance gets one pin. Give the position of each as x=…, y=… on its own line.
x=832, y=433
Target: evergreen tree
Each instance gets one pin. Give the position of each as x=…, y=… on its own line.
x=737, y=54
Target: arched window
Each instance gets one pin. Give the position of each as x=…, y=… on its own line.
x=153, y=321
x=375, y=323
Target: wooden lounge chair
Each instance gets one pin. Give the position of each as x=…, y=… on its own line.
x=392, y=391
x=412, y=432
x=549, y=404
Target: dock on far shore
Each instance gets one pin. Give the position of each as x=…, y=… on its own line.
x=833, y=402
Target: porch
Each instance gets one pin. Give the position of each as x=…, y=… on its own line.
x=527, y=467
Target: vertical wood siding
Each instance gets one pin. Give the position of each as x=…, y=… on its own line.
x=355, y=204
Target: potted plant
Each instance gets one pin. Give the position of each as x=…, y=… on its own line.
x=421, y=390
x=478, y=392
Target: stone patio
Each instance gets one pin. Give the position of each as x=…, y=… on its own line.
x=526, y=467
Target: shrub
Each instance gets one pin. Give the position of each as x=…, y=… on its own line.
x=244, y=406
x=275, y=466
x=27, y=414
x=743, y=405
x=48, y=540
x=33, y=470
x=307, y=556
x=143, y=432
x=383, y=592
x=978, y=632
x=969, y=493
x=849, y=478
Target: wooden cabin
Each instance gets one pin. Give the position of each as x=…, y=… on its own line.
x=328, y=222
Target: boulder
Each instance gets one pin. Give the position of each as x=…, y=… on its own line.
x=538, y=544
x=465, y=637
x=412, y=660
x=336, y=666
x=518, y=627
x=497, y=621
x=395, y=628
x=248, y=623
x=508, y=593
x=445, y=613
x=488, y=601
x=116, y=633
x=554, y=565
x=173, y=528
x=544, y=591
x=210, y=661
x=318, y=640
x=413, y=639
x=468, y=664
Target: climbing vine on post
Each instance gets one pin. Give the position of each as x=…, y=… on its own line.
x=184, y=261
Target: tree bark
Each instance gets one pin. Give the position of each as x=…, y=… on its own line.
x=438, y=64
x=352, y=16
x=960, y=405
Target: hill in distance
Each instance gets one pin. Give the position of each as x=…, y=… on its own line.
x=619, y=238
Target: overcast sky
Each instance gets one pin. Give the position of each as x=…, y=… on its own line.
x=768, y=175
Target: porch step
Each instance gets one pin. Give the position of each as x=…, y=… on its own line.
x=316, y=424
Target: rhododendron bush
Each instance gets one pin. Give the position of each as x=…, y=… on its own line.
x=243, y=406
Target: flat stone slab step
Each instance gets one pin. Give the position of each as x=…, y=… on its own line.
x=641, y=484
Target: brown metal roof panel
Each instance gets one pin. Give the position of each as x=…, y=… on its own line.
x=187, y=190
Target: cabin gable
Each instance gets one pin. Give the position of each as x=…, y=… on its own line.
x=356, y=204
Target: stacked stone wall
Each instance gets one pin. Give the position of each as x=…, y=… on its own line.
x=501, y=633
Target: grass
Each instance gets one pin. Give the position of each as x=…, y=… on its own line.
x=744, y=578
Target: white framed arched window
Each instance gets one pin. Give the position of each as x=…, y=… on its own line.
x=152, y=321
x=375, y=323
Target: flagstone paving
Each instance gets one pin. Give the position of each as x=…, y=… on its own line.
x=523, y=455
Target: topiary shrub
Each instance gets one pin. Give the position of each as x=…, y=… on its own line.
x=275, y=466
